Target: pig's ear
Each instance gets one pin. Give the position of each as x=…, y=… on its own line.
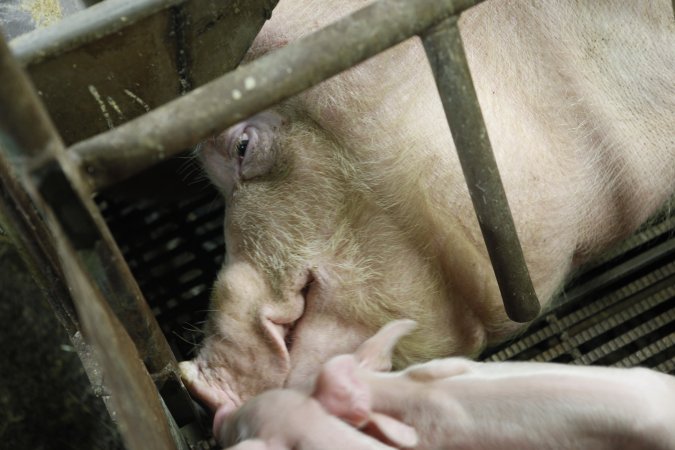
x=391, y=431
x=376, y=352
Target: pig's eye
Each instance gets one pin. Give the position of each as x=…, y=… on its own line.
x=242, y=145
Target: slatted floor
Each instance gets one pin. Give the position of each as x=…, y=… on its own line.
x=619, y=310
x=174, y=251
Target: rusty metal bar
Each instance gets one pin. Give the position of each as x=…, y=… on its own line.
x=30, y=238
x=115, y=155
x=39, y=147
x=445, y=52
x=22, y=223
x=34, y=153
x=140, y=413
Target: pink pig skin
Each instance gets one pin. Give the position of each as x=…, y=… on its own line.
x=455, y=403
x=346, y=207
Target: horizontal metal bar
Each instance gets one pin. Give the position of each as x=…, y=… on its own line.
x=115, y=155
x=87, y=25
x=122, y=58
x=445, y=52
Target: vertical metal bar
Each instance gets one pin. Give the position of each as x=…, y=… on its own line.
x=140, y=413
x=36, y=151
x=33, y=153
x=30, y=238
x=445, y=52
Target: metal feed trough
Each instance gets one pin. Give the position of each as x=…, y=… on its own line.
x=119, y=88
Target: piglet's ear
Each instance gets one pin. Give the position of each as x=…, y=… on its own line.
x=341, y=392
x=391, y=431
x=376, y=352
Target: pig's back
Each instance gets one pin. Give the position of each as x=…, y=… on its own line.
x=579, y=101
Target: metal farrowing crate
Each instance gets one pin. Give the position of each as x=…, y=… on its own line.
x=133, y=269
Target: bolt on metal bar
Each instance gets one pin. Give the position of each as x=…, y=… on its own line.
x=117, y=154
x=33, y=151
x=445, y=52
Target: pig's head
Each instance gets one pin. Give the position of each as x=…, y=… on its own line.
x=316, y=261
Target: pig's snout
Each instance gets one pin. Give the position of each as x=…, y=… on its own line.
x=247, y=345
x=214, y=394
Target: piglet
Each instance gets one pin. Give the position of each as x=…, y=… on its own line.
x=337, y=414
x=455, y=403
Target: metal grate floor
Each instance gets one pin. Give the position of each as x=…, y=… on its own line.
x=174, y=251
x=619, y=310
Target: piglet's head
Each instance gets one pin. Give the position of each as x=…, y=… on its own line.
x=343, y=391
x=288, y=418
